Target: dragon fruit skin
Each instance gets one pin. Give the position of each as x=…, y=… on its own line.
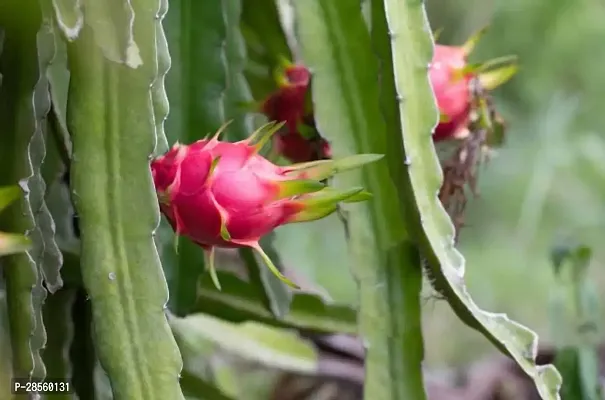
x=223, y=194
x=452, y=92
x=450, y=75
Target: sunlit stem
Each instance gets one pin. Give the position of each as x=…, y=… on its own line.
x=330, y=197
x=11, y=243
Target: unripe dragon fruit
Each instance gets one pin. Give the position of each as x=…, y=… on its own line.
x=299, y=141
x=224, y=194
x=451, y=74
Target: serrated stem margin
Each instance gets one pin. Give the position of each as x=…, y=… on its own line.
x=411, y=51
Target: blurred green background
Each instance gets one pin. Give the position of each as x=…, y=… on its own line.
x=547, y=182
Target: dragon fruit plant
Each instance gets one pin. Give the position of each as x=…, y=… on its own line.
x=451, y=76
x=225, y=194
x=91, y=96
x=467, y=116
x=468, y=119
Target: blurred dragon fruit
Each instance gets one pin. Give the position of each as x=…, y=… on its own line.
x=299, y=141
x=223, y=194
x=468, y=119
x=451, y=75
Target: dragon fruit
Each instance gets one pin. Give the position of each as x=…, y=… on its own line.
x=450, y=75
x=224, y=194
x=299, y=141
x=288, y=103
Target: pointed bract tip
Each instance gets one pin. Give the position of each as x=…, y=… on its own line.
x=364, y=195
x=323, y=169
x=313, y=214
x=508, y=60
x=326, y=202
x=353, y=195
x=356, y=161
x=297, y=187
x=472, y=41
x=262, y=135
x=272, y=266
x=306, y=165
x=437, y=34
x=328, y=197
x=497, y=77
x=221, y=130
x=212, y=268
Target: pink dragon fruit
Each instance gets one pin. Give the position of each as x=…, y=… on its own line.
x=450, y=75
x=223, y=194
x=288, y=102
x=299, y=141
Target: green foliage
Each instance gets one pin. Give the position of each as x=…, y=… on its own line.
x=430, y=222
x=23, y=104
x=575, y=322
x=240, y=301
x=256, y=342
x=111, y=122
x=548, y=176
x=336, y=43
x=90, y=91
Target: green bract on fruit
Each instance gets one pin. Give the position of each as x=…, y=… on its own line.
x=223, y=194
